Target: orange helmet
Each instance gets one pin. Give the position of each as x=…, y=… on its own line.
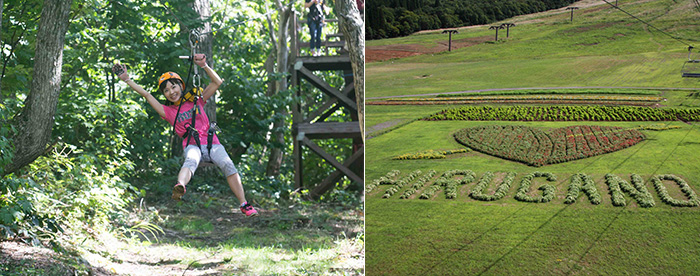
x=170, y=75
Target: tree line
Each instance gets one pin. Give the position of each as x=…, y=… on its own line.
x=393, y=18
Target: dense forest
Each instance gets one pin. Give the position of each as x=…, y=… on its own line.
x=80, y=150
x=392, y=18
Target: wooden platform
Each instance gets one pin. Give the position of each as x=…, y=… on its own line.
x=324, y=63
x=330, y=130
x=309, y=125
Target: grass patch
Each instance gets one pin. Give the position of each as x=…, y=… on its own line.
x=465, y=236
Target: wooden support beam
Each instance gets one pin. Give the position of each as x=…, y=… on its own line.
x=329, y=182
x=326, y=88
x=326, y=63
x=328, y=44
x=348, y=91
x=330, y=130
x=327, y=114
x=297, y=117
x=331, y=160
x=298, y=164
x=330, y=103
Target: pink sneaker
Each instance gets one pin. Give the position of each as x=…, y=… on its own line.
x=248, y=210
x=178, y=191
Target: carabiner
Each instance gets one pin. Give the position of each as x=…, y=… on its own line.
x=196, y=81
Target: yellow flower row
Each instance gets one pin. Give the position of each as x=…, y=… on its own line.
x=428, y=154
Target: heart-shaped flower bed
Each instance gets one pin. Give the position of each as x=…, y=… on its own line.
x=538, y=146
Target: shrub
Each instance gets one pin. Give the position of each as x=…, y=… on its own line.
x=451, y=185
x=388, y=179
x=685, y=188
x=637, y=190
x=19, y=217
x=547, y=190
x=583, y=182
x=566, y=113
x=501, y=190
x=418, y=184
x=400, y=183
x=657, y=127
x=428, y=154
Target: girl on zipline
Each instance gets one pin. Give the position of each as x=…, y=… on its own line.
x=172, y=86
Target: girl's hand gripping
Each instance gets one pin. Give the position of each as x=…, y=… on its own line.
x=120, y=71
x=200, y=60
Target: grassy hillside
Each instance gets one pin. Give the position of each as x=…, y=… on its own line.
x=465, y=236
x=601, y=47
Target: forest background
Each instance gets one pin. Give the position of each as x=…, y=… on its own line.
x=392, y=18
x=109, y=155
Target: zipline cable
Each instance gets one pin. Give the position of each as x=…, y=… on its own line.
x=648, y=24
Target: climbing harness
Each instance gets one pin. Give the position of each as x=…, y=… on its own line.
x=193, y=95
x=691, y=67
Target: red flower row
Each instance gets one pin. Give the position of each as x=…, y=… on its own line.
x=537, y=147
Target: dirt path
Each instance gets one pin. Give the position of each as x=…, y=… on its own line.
x=529, y=88
x=213, y=240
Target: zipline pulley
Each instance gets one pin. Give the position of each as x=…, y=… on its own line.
x=194, y=47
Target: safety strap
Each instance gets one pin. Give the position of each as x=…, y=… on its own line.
x=191, y=129
x=196, y=83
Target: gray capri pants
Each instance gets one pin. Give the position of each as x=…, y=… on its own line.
x=194, y=155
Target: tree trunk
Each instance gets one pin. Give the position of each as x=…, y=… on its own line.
x=276, y=153
x=352, y=26
x=35, y=122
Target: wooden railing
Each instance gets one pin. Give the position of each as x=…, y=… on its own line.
x=328, y=40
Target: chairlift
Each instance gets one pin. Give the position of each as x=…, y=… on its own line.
x=691, y=67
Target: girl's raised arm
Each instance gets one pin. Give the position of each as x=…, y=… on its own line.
x=216, y=81
x=120, y=71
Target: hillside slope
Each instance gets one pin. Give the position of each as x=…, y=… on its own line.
x=601, y=47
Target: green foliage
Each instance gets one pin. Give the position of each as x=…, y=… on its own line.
x=428, y=154
x=19, y=217
x=547, y=190
x=418, y=184
x=478, y=192
x=6, y=131
x=583, y=182
x=388, y=179
x=447, y=180
x=400, y=183
x=391, y=18
x=637, y=190
x=658, y=127
x=430, y=191
x=81, y=187
x=566, y=113
x=692, y=200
